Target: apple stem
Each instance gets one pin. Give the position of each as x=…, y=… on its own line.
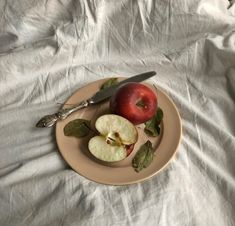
x=140, y=103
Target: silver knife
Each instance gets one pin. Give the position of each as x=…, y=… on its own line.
x=102, y=95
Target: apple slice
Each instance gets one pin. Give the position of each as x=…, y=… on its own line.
x=101, y=150
x=117, y=134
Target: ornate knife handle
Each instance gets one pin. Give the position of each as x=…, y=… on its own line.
x=50, y=120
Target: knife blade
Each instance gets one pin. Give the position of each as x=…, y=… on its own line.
x=108, y=92
x=102, y=95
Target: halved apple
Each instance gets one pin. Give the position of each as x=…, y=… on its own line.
x=117, y=135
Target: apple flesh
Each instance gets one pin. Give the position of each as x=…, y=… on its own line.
x=135, y=102
x=116, y=139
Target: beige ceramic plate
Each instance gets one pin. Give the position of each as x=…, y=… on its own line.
x=77, y=155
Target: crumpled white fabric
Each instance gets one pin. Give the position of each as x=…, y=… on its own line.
x=50, y=48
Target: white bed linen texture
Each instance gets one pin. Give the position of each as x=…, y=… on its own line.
x=51, y=48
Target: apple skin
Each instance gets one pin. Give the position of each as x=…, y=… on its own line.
x=135, y=102
x=129, y=149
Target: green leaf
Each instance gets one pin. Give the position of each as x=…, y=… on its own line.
x=77, y=128
x=159, y=115
x=152, y=127
x=109, y=83
x=143, y=157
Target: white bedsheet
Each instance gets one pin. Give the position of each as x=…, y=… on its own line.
x=50, y=48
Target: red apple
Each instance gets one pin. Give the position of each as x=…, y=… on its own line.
x=135, y=102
